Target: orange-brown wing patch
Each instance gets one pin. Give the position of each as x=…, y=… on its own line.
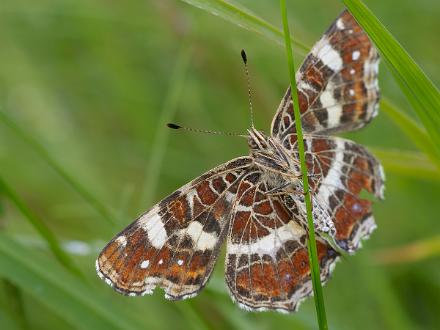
x=267, y=265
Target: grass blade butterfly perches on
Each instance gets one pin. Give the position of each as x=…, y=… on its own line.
x=312, y=248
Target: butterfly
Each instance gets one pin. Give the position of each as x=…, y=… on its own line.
x=256, y=203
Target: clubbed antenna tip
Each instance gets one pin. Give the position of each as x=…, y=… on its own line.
x=173, y=126
x=244, y=56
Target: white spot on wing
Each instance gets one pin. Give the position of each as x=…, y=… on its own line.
x=364, y=231
x=270, y=244
x=243, y=208
x=121, y=240
x=190, y=198
x=340, y=24
x=381, y=173
x=145, y=264
x=328, y=55
x=148, y=291
x=201, y=239
x=160, y=262
x=355, y=55
x=382, y=186
x=334, y=109
x=180, y=262
x=332, y=181
x=229, y=196
x=153, y=226
x=303, y=85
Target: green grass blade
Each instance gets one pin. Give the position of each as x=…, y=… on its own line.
x=408, y=253
x=313, y=254
x=245, y=18
x=57, y=289
x=412, y=129
x=15, y=305
x=41, y=228
x=418, y=88
x=49, y=159
x=407, y=163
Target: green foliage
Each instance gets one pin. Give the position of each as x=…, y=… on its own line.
x=43, y=153
x=56, y=288
x=41, y=228
x=85, y=88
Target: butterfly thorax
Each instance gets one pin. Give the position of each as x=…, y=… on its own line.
x=273, y=159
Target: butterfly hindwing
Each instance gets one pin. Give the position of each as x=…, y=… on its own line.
x=337, y=83
x=175, y=244
x=341, y=170
x=267, y=266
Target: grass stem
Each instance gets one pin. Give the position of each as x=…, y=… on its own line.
x=49, y=159
x=313, y=254
x=41, y=228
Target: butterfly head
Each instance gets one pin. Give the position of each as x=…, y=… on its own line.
x=257, y=140
x=270, y=155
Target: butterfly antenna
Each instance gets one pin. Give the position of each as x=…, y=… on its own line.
x=198, y=130
x=246, y=70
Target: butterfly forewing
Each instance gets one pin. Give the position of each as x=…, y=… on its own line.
x=337, y=83
x=175, y=244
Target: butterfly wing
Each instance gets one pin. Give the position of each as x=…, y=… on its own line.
x=174, y=245
x=267, y=265
x=340, y=171
x=337, y=83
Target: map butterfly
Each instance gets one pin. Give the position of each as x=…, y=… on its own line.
x=256, y=203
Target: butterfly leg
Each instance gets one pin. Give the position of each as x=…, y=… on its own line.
x=280, y=190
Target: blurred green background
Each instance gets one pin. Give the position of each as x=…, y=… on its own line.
x=94, y=82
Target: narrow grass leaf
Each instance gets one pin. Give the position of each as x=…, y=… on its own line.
x=412, y=129
x=50, y=160
x=313, y=254
x=15, y=305
x=245, y=18
x=57, y=289
x=407, y=163
x=41, y=228
x=412, y=252
x=417, y=87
